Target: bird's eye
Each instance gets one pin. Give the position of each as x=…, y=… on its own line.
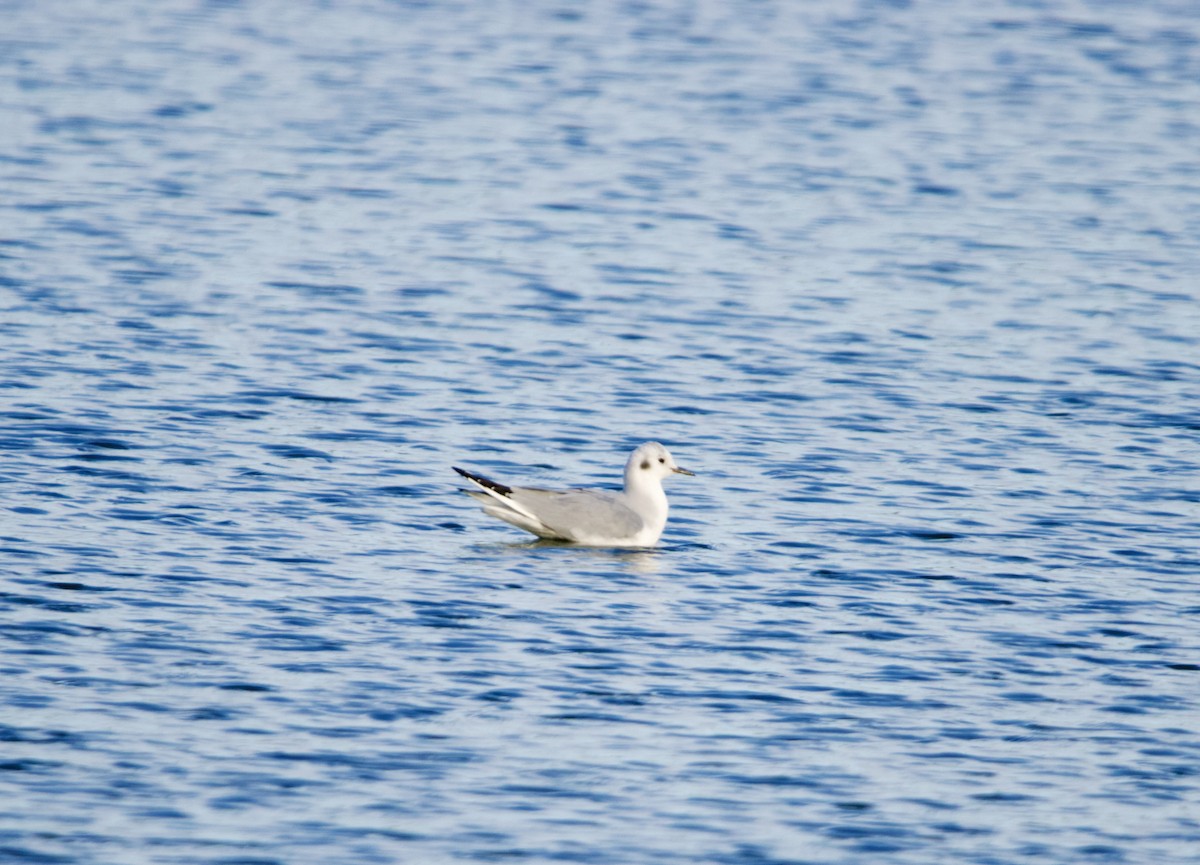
x=662, y=459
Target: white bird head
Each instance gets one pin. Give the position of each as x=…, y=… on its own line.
x=652, y=460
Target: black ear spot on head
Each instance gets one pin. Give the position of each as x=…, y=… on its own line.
x=645, y=464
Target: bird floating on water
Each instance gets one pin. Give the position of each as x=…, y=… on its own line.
x=632, y=518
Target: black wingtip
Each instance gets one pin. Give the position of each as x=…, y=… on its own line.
x=486, y=482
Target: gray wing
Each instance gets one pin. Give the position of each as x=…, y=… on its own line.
x=572, y=513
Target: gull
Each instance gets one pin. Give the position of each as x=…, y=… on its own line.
x=633, y=518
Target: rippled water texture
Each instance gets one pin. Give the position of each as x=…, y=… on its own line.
x=912, y=286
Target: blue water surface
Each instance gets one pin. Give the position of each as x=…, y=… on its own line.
x=912, y=286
